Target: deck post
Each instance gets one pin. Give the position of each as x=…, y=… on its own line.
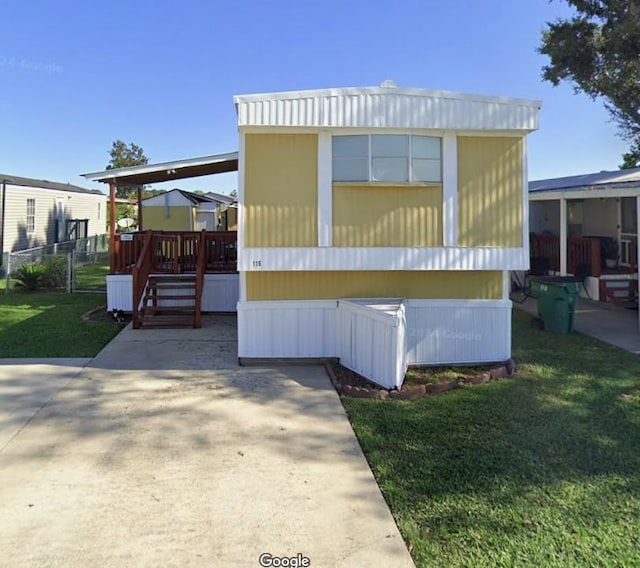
x=112, y=225
x=140, y=222
x=563, y=236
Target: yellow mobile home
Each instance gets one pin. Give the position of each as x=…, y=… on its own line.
x=404, y=204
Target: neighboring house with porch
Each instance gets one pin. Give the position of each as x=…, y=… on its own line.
x=376, y=224
x=37, y=212
x=587, y=225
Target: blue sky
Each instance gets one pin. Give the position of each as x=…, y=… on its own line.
x=77, y=75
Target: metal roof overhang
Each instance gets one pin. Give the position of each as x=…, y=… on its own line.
x=168, y=171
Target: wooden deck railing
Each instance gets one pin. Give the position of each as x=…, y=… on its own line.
x=200, y=270
x=140, y=274
x=582, y=253
x=176, y=251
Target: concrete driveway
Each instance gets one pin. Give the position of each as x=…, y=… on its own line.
x=164, y=452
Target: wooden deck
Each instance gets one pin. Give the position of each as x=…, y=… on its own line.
x=175, y=252
x=151, y=256
x=584, y=255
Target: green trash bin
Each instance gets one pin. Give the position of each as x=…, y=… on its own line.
x=557, y=297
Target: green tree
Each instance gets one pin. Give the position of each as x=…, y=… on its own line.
x=124, y=156
x=632, y=158
x=598, y=51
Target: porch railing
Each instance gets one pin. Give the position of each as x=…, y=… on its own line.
x=628, y=249
x=140, y=272
x=176, y=252
x=583, y=253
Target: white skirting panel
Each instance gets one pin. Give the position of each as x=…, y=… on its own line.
x=220, y=293
x=438, y=332
x=371, y=339
x=120, y=292
x=442, y=332
x=289, y=329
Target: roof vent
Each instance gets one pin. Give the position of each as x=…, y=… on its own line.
x=388, y=84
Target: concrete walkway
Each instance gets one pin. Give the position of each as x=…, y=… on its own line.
x=611, y=324
x=166, y=453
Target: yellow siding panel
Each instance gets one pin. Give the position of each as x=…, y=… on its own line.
x=280, y=190
x=385, y=216
x=326, y=285
x=490, y=191
x=179, y=219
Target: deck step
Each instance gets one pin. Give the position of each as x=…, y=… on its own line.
x=150, y=321
x=168, y=297
x=168, y=309
x=172, y=277
x=173, y=286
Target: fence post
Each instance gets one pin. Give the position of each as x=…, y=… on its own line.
x=69, y=275
x=6, y=288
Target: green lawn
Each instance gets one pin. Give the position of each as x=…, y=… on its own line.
x=49, y=324
x=92, y=277
x=542, y=469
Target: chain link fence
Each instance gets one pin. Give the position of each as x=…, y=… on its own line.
x=75, y=266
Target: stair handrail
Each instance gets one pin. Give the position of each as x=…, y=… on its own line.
x=200, y=270
x=140, y=275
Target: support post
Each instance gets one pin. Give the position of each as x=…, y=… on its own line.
x=563, y=237
x=112, y=226
x=140, y=222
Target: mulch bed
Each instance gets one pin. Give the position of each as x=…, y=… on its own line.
x=100, y=314
x=419, y=382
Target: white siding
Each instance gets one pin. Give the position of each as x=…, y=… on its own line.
x=171, y=198
x=77, y=205
x=442, y=332
x=371, y=342
x=438, y=332
x=287, y=329
x=220, y=293
x=383, y=258
x=387, y=108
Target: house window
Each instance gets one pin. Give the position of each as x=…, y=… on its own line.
x=99, y=204
x=31, y=215
x=387, y=158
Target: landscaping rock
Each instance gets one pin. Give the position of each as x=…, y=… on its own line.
x=359, y=392
x=412, y=392
x=511, y=367
x=477, y=379
x=499, y=372
x=437, y=388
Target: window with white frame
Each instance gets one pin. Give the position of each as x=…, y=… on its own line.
x=387, y=158
x=31, y=215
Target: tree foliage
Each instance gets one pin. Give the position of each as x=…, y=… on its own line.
x=598, y=50
x=631, y=159
x=123, y=156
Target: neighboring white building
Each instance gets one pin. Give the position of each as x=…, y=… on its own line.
x=37, y=212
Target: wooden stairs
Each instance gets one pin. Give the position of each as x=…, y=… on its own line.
x=169, y=300
x=164, y=294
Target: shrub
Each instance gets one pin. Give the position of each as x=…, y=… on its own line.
x=29, y=276
x=55, y=272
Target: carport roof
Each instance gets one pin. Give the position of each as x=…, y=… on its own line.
x=599, y=180
x=168, y=171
